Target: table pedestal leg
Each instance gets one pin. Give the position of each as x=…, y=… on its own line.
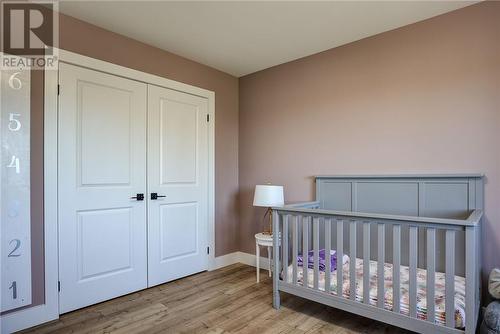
x=257, y=258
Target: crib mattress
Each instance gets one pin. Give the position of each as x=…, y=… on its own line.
x=404, y=294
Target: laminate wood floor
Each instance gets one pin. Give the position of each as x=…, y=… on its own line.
x=227, y=300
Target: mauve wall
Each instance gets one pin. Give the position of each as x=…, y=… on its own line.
x=424, y=98
x=92, y=41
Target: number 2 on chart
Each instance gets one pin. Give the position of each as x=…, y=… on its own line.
x=17, y=243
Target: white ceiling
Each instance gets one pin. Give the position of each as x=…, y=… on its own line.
x=244, y=37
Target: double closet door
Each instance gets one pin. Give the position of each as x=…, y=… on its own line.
x=133, y=186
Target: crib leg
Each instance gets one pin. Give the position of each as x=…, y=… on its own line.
x=276, y=299
x=276, y=266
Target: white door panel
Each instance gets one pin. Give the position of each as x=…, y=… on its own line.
x=105, y=113
x=178, y=140
x=102, y=164
x=94, y=230
x=178, y=170
x=178, y=240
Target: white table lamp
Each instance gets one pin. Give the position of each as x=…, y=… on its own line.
x=268, y=196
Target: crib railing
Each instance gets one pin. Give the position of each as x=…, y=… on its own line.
x=294, y=224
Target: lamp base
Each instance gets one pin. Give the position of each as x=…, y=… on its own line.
x=270, y=213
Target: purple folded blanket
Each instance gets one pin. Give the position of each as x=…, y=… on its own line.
x=321, y=258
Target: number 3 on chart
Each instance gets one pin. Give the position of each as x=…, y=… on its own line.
x=14, y=163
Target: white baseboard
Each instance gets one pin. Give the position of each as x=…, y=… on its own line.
x=225, y=260
x=249, y=259
x=239, y=257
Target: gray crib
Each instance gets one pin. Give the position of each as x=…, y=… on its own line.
x=422, y=231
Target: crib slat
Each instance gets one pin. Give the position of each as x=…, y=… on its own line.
x=352, y=262
x=413, y=271
x=450, y=279
x=284, y=247
x=340, y=257
x=305, y=251
x=328, y=256
x=396, y=260
x=366, y=262
x=431, y=274
x=471, y=280
x=380, y=266
x=295, y=247
x=316, y=251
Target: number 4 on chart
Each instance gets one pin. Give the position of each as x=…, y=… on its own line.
x=14, y=163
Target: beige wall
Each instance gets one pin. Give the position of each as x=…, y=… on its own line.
x=421, y=99
x=89, y=40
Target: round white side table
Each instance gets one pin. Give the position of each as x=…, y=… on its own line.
x=266, y=240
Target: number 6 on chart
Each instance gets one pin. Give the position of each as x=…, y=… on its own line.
x=14, y=82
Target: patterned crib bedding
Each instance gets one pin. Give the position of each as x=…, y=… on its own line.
x=404, y=294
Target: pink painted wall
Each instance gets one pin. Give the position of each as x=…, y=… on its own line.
x=424, y=98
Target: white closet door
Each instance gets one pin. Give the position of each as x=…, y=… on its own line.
x=177, y=170
x=102, y=164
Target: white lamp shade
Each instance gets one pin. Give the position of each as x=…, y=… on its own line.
x=268, y=196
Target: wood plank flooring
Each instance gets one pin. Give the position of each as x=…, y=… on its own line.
x=227, y=300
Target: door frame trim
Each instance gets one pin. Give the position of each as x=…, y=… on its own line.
x=49, y=311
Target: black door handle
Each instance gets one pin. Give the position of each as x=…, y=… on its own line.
x=156, y=196
x=139, y=197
